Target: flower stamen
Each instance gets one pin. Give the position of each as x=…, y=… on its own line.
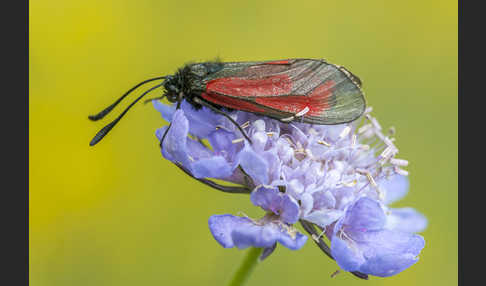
x=322, y=142
x=238, y=140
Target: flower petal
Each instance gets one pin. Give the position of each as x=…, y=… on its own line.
x=167, y=111
x=221, y=142
x=203, y=120
x=389, y=252
x=395, y=188
x=254, y=165
x=406, y=219
x=324, y=218
x=214, y=167
x=306, y=203
x=289, y=212
x=268, y=198
x=365, y=215
x=380, y=253
x=232, y=231
x=348, y=257
x=174, y=145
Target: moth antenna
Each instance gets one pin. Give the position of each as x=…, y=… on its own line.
x=102, y=133
x=107, y=110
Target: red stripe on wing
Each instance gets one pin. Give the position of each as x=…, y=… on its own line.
x=231, y=102
x=281, y=62
x=317, y=101
x=235, y=86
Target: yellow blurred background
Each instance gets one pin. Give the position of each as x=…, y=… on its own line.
x=119, y=214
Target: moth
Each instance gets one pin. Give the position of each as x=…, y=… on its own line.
x=312, y=91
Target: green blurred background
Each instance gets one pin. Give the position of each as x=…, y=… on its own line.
x=119, y=214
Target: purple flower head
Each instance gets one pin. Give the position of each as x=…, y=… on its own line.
x=336, y=180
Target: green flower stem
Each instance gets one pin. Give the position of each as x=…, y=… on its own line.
x=246, y=268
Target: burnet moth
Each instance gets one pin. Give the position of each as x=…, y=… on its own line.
x=305, y=90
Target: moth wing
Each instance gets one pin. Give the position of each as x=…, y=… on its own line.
x=323, y=93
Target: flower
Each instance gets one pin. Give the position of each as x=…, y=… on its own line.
x=338, y=178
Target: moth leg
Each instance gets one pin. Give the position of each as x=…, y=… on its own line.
x=226, y=189
x=197, y=100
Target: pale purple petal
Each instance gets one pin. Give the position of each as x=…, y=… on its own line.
x=221, y=141
x=324, y=200
x=174, y=145
x=203, y=121
x=295, y=188
x=232, y=231
x=406, y=219
x=348, y=257
x=389, y=252
x=324, y=218
x=380, y=253
x=167, y=111
x=289, y=212
x=395, y=188
x=306, y=204
x=197, y=151
x=268, y=198
x=213, y=167
x=365, y=215
x=274, y=165
x=254, y=165
x=259, y=141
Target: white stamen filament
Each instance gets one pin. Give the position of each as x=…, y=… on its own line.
x=368, y=176
x=381, y=194
x=399, y=162
x=322, y=142
x=350, y=184
x=245, y=125
x=345, y=132
x=372, y=181
x=237, y=140
x=300, y=150
x=222, y=127
x=364, y=128
x=401, y=171
x=387, y=153
x=375, y=123
x=364, y=147
x=388, y=142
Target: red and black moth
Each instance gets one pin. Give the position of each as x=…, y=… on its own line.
x=308, y=90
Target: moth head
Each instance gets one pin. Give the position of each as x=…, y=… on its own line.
x=172, y=88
